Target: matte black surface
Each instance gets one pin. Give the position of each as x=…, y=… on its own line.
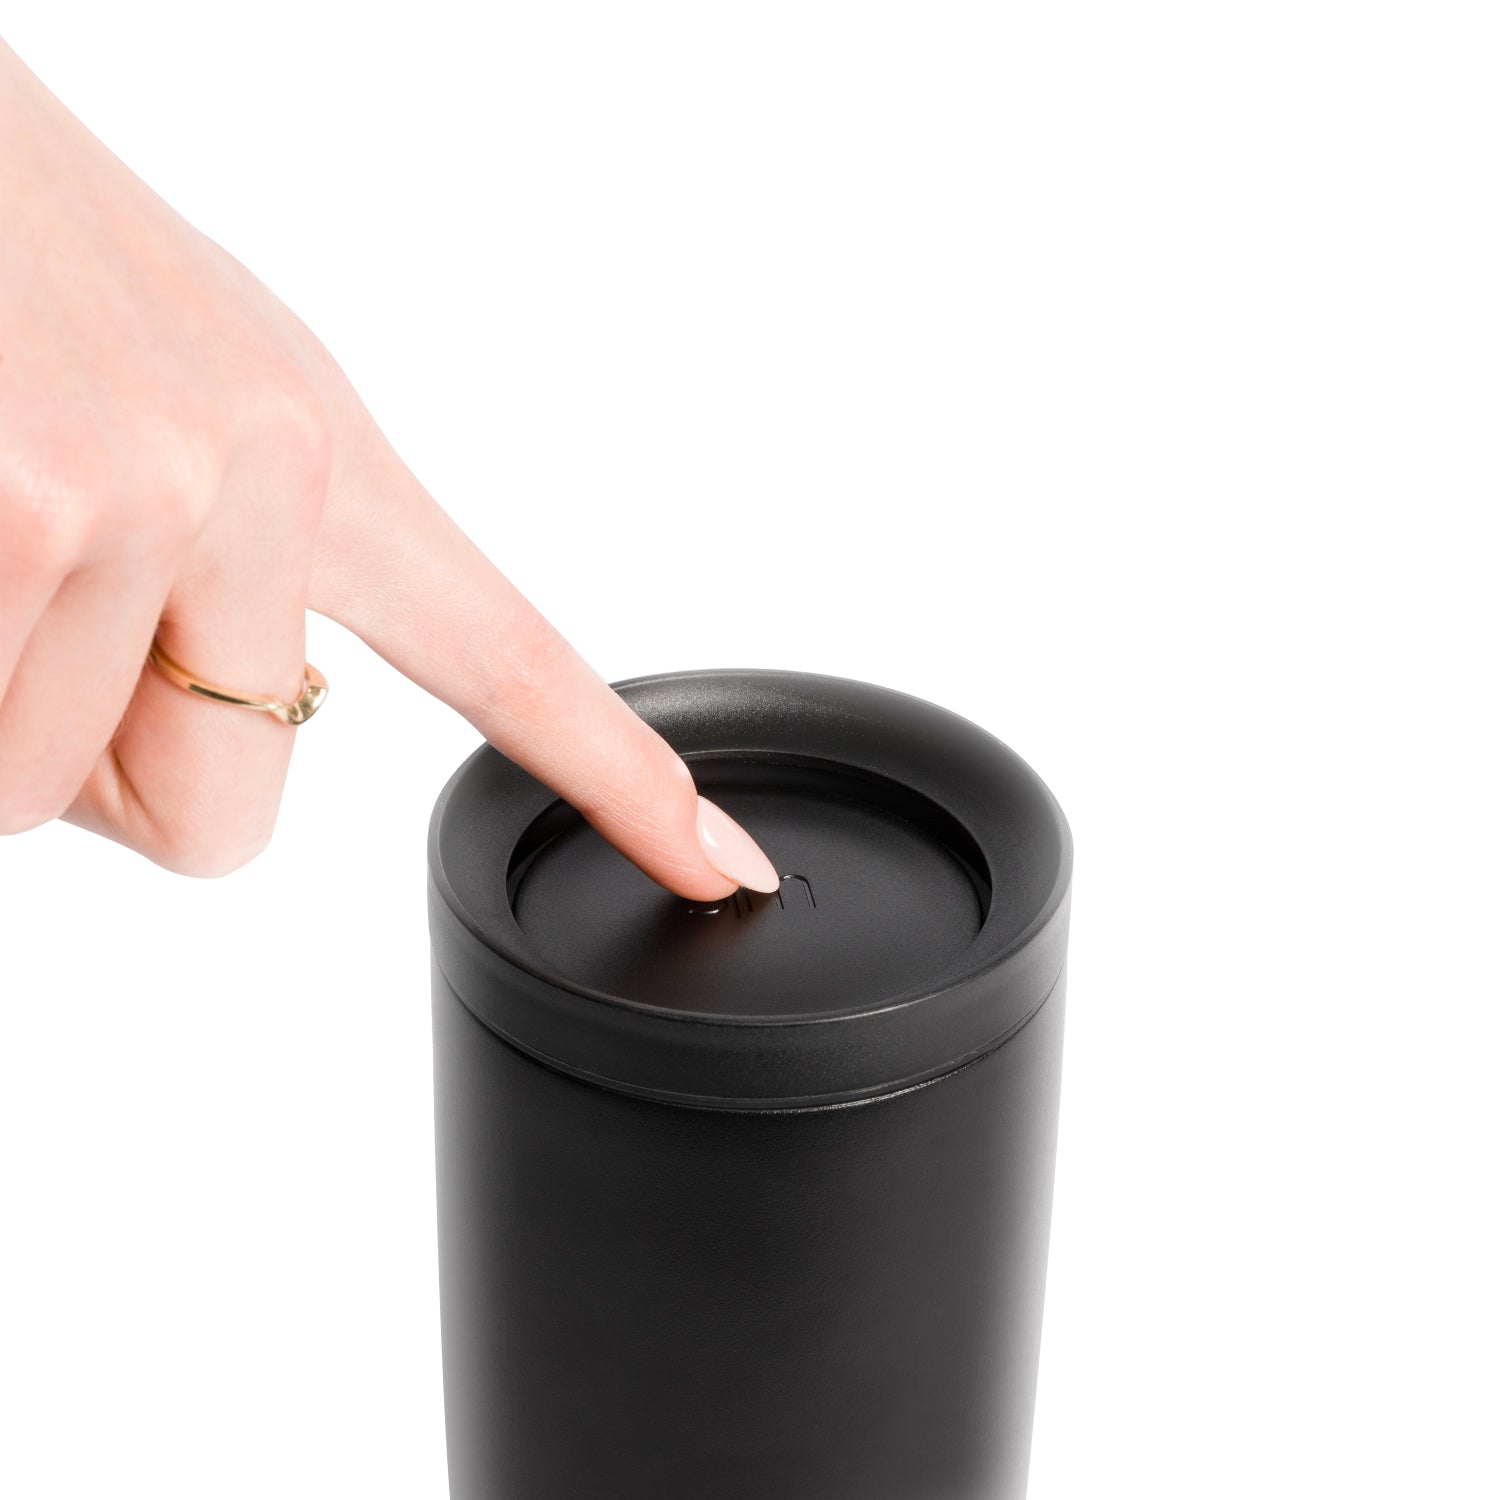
x=648, y=1302
x=752, y=1204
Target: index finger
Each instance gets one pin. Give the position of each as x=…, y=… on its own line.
x=394, y=568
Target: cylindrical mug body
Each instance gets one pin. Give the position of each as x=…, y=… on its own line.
x=750, y=1201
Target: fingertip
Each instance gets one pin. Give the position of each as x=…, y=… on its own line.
x=707, y=887
x=732, y=852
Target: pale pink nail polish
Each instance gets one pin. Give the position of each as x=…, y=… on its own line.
x=732, y=852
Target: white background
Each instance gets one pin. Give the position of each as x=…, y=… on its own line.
x=1122, y=376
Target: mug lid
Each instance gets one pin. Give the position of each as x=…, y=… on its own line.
x=921, y=919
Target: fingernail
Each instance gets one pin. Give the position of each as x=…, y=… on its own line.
x=732, y=852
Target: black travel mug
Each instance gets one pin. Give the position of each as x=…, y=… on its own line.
x=749, y=1200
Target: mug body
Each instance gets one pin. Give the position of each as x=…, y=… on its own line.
x=751, y=1202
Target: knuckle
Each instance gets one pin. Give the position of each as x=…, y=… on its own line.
x=184, y=482
x=59, y=505
x=48, y=518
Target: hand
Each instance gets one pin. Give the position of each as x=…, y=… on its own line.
x=180, y=457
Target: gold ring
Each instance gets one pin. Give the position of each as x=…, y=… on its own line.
x=314, y=690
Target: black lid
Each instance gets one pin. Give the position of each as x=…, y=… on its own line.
x=922, y=917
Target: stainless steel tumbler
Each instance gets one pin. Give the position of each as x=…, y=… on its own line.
x=749, y=1200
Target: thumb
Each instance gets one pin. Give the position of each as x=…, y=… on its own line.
x=395, y=569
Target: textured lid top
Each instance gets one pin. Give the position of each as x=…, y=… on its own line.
x=921, y=917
